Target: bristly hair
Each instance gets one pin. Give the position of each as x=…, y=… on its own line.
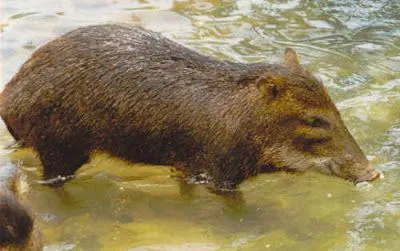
x=16, y=224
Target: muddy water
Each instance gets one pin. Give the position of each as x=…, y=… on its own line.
x=353, y=46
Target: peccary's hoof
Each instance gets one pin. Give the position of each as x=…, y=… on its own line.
x=57, y=181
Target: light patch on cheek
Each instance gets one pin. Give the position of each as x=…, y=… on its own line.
x=283, y=157
x=325, y=165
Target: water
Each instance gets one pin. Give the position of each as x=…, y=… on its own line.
x=353, y=46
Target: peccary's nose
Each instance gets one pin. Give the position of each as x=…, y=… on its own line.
x=371, y=175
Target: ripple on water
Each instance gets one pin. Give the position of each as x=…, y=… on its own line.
x=373, y=219
x=179, y=247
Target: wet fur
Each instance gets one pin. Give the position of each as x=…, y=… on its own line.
x=144, y=98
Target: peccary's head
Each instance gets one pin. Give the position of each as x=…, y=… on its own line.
x=302, y=129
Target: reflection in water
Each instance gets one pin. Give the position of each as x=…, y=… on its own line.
x=353, y=46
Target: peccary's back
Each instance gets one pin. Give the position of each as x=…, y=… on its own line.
x=105, y=83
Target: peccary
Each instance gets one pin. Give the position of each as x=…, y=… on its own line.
x=17, y=228
x=139, y=96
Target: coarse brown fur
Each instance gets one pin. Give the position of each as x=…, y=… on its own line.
x=18, y=231
x=134, y=94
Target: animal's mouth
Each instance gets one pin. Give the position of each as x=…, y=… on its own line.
x=371, y=176
x=329, y=167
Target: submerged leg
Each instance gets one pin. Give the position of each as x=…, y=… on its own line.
x=186, y=189
x=60, y=161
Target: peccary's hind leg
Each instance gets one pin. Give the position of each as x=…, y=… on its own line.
x=60, y=161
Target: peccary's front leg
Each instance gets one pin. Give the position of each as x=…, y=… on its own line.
x=60, y=161
x=232, y=167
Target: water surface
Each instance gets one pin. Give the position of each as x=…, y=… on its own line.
x=353, y=46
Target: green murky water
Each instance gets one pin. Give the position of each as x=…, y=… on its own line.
x=354, y=46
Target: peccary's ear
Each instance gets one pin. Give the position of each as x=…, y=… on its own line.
x=290, y=58
x=268, y=87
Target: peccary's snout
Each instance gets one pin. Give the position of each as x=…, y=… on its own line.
x=356, y=167
x=370, y=175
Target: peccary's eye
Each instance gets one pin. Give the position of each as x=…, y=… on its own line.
x=308, y=144
x=317, y=122
x=274, y=91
